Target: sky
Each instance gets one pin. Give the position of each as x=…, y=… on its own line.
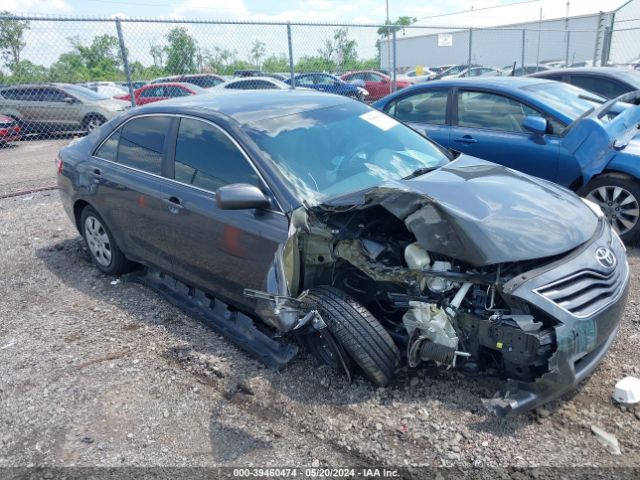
x=350, y=11
x=46, y=40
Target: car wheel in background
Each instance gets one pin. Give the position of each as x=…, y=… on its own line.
x=619, y=197
x=363, y=338
x=91, y=122
x=104, y=252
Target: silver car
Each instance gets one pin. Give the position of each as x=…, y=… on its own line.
x=53, y=108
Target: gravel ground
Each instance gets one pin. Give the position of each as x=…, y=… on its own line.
x=96, y=371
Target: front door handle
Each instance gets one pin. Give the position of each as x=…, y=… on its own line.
x=96, y=173
x=466, y=139
x=174, y=204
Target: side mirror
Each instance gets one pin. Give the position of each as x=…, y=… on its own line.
x=68, y=100
x=240, y=196
x=536, y=125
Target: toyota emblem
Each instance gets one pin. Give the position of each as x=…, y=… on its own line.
x=606, y=258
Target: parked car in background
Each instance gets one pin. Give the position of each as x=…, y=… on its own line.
x=203, y=80
x=424, y=77
x=377, y=84
x=475, y=72
x=58, y=107
x=453, y=71
x=134, y=83
x=608, y=82
x=107, y=89
x=157, y=92
x=325, y=82
x=509, y=71
x=9, y=129
x=258, y=73
x=548, y=129
x=289, y=218
x=254, y=83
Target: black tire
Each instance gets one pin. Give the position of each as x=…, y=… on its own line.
x=620, y=209
x=360, y=334
x=116, y=263
x=92, y=121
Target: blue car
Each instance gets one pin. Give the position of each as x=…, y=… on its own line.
x=544, y=128
x=325, y=82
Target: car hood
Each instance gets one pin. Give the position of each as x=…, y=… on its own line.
x=594, y=140
x=482, y=213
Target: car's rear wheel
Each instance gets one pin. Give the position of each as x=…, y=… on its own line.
x=362, y=337
x=92, y=122
x=619, y=197
x=104, y=251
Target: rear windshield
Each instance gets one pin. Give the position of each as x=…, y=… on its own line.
x=204, y=82
x=571, y=102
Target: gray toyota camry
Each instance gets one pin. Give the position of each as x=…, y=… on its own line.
x=289, y=219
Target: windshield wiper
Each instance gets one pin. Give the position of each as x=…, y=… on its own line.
x=591, y=99
x=419, y=172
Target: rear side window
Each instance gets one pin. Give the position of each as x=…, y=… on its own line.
x=425, y=107
x=602, y=86
x=138, y=144
x=207, y=158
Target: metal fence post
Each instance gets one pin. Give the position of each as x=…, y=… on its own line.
x=291, y=69
x=393, y=64
x=125, y=61
x=566, y=53
x=470, y=45
x=524, y=39
x=606, y=46
x=596, y=47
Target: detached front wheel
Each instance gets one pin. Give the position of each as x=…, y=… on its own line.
x=361, y=336
x=619, y=198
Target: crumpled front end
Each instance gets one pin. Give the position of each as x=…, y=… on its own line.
x=585, y=294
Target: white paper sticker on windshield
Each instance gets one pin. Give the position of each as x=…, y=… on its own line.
x=379, y=120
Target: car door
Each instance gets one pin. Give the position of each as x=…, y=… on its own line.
x=60, y=108
x=125, y=177
x=377, y=85
x=220, y=251
x=425, y=110
x=488, y=125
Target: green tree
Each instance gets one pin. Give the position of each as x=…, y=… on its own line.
x=12, y=38
x=257, y=52
x=28, y=72
x=313, y=64
x=275, y=63
x=395, y=26
x=181, y=52
x=69, y=67
x=339, y=51
x=157, y=54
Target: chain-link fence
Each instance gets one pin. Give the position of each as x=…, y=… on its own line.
x=72, y=74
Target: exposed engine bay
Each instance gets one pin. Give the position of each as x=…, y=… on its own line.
x=438, y=308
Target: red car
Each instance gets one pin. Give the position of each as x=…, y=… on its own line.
x=9, y=129
x=377, y=84
x=162, y=91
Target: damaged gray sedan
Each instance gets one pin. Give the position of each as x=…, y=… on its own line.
x=287, y=219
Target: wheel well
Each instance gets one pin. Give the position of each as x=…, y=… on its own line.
x=77, y=211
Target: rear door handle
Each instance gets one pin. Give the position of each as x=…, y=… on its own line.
x=174, y=204
x=466, y=139
x=96, y=173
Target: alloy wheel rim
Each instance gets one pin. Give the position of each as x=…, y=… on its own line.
x=98, y=241
x=618, y=205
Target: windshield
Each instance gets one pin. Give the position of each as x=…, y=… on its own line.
x=570, y=101
x=83, y=93
x=340, y=149
x=204, y=82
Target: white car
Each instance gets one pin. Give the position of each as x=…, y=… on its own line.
x=415, y=78
x=253, y=83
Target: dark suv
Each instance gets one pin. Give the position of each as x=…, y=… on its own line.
x=286, y=218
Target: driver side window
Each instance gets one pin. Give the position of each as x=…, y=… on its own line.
x=206, y=158
x=492, y=111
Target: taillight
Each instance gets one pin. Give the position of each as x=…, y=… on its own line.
x=59, y=165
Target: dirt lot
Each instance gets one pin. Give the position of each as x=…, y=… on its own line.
x=96, y=371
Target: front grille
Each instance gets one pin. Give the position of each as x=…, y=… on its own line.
x=585, y=292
